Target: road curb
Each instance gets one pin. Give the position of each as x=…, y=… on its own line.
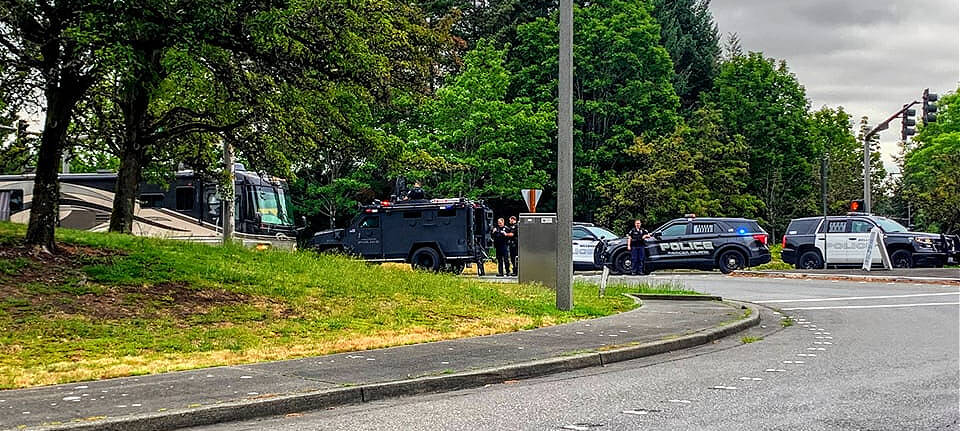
x=294, y=403
x=868, y=278
x=677, y=297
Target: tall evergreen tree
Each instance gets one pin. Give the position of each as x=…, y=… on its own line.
x=691, y=37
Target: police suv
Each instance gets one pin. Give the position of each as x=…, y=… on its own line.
x=435, y=234
x=843, y=241
x=727, y=244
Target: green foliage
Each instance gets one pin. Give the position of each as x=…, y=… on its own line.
x=695, y=169
x=930, y=168
x=830, y=134
x=622, y=88
x=760, y=100
x=472, y=142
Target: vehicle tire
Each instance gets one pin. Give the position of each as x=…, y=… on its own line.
x=426, y=258
x=810, y=260
x=622, y=263
x=902, y=259
x=731, y=260
x=455, y=268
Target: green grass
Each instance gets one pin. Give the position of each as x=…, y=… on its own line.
x=662, y=288
x=786, y=322
x=141, y=305
x=776, y=262
x=747, y=339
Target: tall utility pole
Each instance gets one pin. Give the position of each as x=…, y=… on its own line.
x=866, y=172
x=565, y=161
x=226, y=202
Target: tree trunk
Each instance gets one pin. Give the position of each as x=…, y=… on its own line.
x=126, y=191
x=44, y=211
x=134, y=106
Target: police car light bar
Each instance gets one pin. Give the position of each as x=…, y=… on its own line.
x=691, y=215
x=446, y=201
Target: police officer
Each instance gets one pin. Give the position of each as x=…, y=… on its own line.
x=512, y=243
x=500, y=239
x=416, y=192
x=636, y=239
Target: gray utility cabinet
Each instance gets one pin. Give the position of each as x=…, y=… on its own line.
x=538, y=249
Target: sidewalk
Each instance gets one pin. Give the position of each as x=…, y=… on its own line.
x=171, y=400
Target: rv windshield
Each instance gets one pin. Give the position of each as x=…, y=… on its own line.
x=273, y=205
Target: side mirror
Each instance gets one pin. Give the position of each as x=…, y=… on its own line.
x=657, y=235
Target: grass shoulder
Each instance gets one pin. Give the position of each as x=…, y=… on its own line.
x=109, y=305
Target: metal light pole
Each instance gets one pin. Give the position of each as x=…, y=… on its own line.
x=565, y=161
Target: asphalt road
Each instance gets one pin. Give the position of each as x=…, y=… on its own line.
x=860, y=356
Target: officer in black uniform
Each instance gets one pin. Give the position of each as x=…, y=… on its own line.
x=500, y=237
x=416, y=192
x=512, y=243
x=636, y=239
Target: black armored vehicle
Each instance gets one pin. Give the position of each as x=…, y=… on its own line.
x=727, y=244
x=434, y=235
x=843, y=241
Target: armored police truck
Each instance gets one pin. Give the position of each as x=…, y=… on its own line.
x=727, y=244
x=434, y=235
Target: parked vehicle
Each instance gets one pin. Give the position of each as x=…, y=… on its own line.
x=434, y=235
x=586, y=236
x=727, y=244
x=188, y=208
x=843, y=241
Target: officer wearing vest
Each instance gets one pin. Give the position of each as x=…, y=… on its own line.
x=636, y=239
x=513, y=243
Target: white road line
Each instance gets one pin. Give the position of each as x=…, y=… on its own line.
x=850, y=298
x=838, y=307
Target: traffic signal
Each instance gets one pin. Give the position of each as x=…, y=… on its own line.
x=856, y=206
x=908, y=123
x=929, y=108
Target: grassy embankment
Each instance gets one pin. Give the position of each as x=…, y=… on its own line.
x=114, y=305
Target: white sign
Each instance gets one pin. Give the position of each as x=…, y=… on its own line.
x=876, y=242
x=531, y=197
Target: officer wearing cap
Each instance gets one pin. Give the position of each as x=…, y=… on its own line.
x=636, y=239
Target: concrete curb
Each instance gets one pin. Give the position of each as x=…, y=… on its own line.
x=868, y=278
x=676, y=297
x=294, y=403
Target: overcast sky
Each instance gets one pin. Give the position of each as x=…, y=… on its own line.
x=869, y=56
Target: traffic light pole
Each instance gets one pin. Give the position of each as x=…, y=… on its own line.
x=867, y=205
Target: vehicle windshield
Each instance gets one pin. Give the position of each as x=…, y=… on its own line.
x=889, y=225
x=601, y=233
x=273, y=205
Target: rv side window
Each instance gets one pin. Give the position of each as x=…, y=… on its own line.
x=411, y=214
x=16, y=199
x=151, y=200
x=184, y=198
